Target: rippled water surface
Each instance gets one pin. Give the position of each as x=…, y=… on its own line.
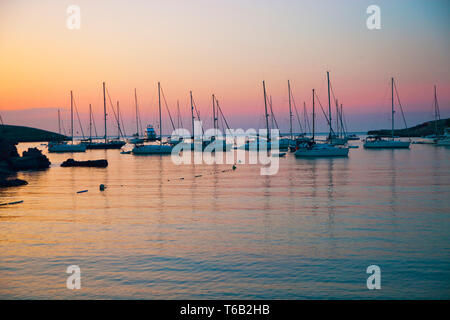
x=200, y=231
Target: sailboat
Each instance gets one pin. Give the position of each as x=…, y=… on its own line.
x=250, y=145
x=63, y=146
x=445, y=140
x=301, y=139
x=313, y=149
x=107, y=143
x=136, y=139
x=376, y=142
x=154, y=148
x=217, y=144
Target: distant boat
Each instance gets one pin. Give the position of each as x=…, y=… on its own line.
x=312, y=149
x=376, y=142
x=153, y=148
x=107, y=143
x=445, y=140
x=151, y=134
x=136, y=138
x=64, y=146
x=352, y=137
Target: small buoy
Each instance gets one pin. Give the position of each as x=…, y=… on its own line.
x=102, y=187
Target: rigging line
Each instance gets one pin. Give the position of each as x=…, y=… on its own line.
x=121, y=120
x=180, y=119
x=114, y=111
x=341, y=119
x=62, y=126
x=220, y=110
x=345, y=123
x=400, y=104
x=306, y=117
x=438, y=112
x=197, y=113
x=78, y=117
x=323, y=111
x=93, y=122
x=167, y=107
x=273, y=116
x=298, y=117
x=139, y=124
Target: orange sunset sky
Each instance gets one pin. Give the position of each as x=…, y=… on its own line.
x=226, y=48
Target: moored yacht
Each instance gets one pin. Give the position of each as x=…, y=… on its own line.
x=151, y=149
x=312, y=149
x=377, y=142
x=64, y=146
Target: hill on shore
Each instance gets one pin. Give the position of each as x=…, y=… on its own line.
x=421, y=130
x=28, y=134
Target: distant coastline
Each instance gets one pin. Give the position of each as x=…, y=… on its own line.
x=28, y=134
x=424, y=129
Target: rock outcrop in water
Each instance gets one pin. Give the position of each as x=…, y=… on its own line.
x=11, y=162
x=89, y=163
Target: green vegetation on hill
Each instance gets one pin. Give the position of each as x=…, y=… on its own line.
x=27, y=134
x=421, y=130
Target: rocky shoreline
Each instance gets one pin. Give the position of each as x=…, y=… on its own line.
x=11, y=162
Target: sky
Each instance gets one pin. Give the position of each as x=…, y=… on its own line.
x=225, y=47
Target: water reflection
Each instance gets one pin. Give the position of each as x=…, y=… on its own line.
x=195, y=231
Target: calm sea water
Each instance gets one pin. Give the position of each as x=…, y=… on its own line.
x=308, y=232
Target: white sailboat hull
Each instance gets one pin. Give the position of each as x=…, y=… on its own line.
x=443, y=142
x=386, y=144
x=321, y=151
x=66, y=148
x=338, y=141
x=152, y=149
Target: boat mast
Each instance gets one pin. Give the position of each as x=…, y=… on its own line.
x=59, y=122
x=313, y=116
x=179, y=115
x=192, y=114
x=71, y=114
x=267, y=115
x=338, y=132
x=329, y=105
x=90, y=122
x=392, y=105
x=290, y=109
x=214, y=113
x=160, y=122
x=104, y=109
x=436, y=112
x=137, y=117
x=118, y=121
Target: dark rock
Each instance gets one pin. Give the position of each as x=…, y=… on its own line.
x=12, y=183
x=89, y=163
x=7, y=149
x=32, y=159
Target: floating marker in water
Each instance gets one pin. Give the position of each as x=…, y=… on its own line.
x=102, y=187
